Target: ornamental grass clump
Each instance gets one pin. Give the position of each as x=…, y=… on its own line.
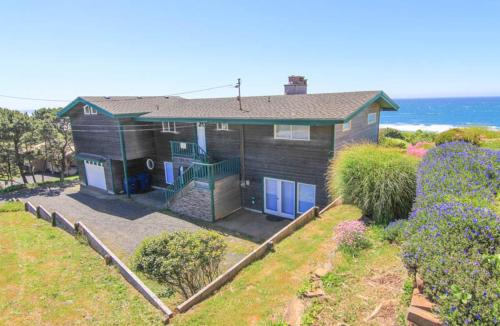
x=183, y=261
x=453, y=234
x=350, y=237
x=380, y=181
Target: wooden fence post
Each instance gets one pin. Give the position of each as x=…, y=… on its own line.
x=26, y=206
x=38, y=212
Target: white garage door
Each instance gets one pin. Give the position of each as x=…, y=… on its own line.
x=94, y=172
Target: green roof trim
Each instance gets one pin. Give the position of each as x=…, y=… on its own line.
x=90, y=157
x=390, y=105
x=80, y=100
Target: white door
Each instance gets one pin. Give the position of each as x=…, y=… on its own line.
x=279, y=197
x=202, y=141
x=94, y=172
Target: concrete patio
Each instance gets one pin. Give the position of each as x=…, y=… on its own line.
x=256, y=226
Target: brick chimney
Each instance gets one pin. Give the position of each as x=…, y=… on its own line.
x=296, y=85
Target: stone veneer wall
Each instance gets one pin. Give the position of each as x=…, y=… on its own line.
x=193, y=201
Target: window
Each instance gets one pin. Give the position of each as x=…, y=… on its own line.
x=168, y=127
x=292, y=132
x=372, y=118
x=222, y=126
x=346, y=126
x=87, y=110
x=306, y=196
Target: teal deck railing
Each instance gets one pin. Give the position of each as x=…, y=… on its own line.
x=190, y=150
x=206, y=172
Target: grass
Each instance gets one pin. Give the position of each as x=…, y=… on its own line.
x=38, y=184
x=49, y=278
x=358, y=285
x=11, y=206
x=261, y=292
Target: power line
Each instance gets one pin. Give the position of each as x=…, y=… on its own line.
x=111, y=99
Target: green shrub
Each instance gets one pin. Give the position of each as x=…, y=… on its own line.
x=380, y=181
x=390, y=133
x=393, y=142
x=414, y=137
x=394, y=231
x=458, y=134
x=183, y=261
x=11, y=206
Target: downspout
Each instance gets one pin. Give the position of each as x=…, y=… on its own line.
x=124, y=158
x=242, y=164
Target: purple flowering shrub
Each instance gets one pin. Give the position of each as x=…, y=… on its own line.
x=459, y=171
x=350, y=237
x=394, y=232
x=453, y=235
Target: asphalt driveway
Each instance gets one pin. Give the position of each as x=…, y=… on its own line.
x=120, y=224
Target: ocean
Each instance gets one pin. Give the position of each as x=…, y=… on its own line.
x=439, y=114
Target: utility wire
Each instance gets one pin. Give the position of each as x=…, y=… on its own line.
x=111, y=99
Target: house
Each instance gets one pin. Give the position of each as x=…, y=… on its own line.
x=213, y=156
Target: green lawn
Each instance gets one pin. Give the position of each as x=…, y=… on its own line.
x=53, y=183
x=260, y=293
x=49, y=278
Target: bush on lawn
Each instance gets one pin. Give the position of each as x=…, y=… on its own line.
x=453, y=234
x=380, y=181
x=183, y=261
x=393, y=142
x=394, y=232
x=350, y=237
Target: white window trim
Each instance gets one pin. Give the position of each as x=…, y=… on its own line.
x=348, y=128
x=368, y=118
x=222, y=126
x=93, y=111
x=298, y=195
x=291, y=133
x=167, y=127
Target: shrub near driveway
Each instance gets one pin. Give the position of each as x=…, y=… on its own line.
x=380, y=181
x=183, y=261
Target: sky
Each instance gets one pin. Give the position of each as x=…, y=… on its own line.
x=409, y=49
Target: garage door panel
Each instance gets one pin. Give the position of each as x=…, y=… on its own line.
x=94, y=172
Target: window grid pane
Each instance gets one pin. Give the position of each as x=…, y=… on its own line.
x=300, y=132
x=283, y=131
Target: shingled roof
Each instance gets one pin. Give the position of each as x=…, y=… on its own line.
x=326, y=107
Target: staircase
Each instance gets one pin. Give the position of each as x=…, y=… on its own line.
x=189, y=150
x=201, y=170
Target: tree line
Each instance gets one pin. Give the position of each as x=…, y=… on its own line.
x=30, y=139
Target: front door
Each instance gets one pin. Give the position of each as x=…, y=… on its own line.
x=202, y=141
x=279, y=197
x=169, y=172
